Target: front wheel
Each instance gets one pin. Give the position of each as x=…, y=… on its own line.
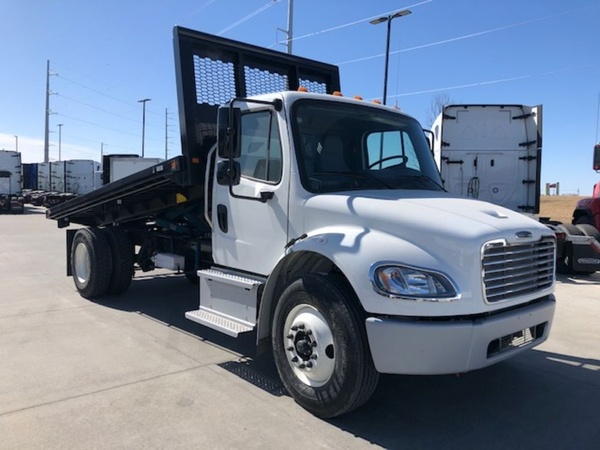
x=320, y=347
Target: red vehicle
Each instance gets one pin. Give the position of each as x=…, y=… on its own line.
x=587, y=210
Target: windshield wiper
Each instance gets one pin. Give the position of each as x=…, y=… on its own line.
x=362, y=175
x=425, y=180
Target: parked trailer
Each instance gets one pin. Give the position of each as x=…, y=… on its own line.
x=494, y=153
x=319, y=223
x=117, y=166
x=11, y=182
x=44, y=176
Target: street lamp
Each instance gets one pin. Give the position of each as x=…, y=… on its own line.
x=388, y=19
x=59, y=140
x=143, y=102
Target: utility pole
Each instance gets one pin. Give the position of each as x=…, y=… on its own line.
x=47, y=128
x=143, y=102
x=289, y=33
x=166, y=133
x=290, y=26
x=59, y=140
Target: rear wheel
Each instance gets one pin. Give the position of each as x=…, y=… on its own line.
x=320, y=347
x=589, y=230
x=91, y=262
x=584, y=220
x=122, y=260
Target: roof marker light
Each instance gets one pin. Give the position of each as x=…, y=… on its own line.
x=302, y=89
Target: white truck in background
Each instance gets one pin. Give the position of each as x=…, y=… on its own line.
x=494, y=153
x=117, y=166
x=11, y=182
x=491, y=153
x=74, y=176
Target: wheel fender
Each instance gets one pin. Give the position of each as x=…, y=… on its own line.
x=353, y=250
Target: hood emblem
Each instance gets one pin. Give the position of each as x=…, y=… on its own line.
x=523, y=234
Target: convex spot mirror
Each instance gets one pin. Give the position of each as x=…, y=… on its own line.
x=228, y=126
x=228, y=173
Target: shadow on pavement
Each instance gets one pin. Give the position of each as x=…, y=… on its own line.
x=537, y=399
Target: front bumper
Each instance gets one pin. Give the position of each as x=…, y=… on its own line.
x=456, y=345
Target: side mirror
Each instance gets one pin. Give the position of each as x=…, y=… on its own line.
x=228, y=173
x=429, y=136
x=228, y=132
x=597, y=157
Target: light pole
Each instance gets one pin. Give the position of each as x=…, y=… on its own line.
x=59, y=139
x=388, y=19
x=143, y=102
x=16, y=143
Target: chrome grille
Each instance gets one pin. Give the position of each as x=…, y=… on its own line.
x=510, y=270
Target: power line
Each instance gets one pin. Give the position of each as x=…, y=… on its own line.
x=468, y=36
x=248, y=17
x=501, y=80
x=106, y=111
x=356, y=22
x=105, y=127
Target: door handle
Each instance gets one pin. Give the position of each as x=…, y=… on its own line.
x=222, y=218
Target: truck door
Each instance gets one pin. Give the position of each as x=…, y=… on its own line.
x=249, y=234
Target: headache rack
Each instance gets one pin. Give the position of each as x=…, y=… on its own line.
x=512, y=270
x=210, y=71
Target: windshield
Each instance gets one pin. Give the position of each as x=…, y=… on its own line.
x=346, y=146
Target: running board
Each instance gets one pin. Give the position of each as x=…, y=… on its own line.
x=227, y=325
x=227, y=301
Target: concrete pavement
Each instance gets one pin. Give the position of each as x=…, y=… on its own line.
x=131, y=372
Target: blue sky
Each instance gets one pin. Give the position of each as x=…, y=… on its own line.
x=105, y=56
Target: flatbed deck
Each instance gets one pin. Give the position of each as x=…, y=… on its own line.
x=136, y=197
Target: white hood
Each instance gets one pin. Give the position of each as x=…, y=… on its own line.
x=420, y=213
x=431, y=230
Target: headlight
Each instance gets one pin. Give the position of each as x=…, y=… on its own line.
x=412, y=283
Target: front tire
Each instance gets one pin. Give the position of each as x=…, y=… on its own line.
x=320, y=346
x=91, y=262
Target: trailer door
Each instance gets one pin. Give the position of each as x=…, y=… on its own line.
x=492, y=153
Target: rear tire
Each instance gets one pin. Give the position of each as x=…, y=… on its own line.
x=584, y=220
x=91, y=262
x=589, y=230
x=122, y=260
x=320, y=346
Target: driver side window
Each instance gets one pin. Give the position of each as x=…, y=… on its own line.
x=260, y=147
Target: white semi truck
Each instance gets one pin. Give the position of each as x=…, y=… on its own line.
x=494, y=153
x=11, y=182
x=319, y=224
